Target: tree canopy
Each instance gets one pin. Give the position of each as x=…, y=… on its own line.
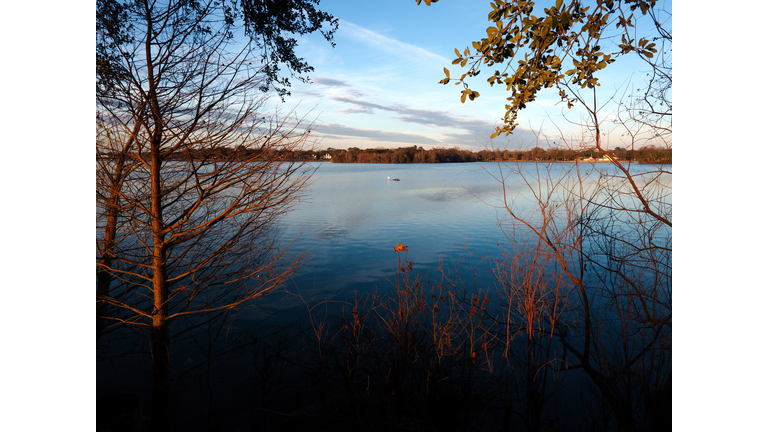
x=269, y=24
x=564, y=48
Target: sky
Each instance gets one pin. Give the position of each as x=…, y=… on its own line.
x=379, y=86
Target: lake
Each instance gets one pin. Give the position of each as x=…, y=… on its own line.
x=352, y=217
x=347, y=226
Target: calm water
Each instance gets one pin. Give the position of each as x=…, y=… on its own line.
x=352, y=218
x=348, y=224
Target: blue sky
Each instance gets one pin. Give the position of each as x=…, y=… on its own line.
x=379, y=86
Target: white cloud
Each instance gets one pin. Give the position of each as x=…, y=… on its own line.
x=377, y=135
x=391, y=46
x=330, y=82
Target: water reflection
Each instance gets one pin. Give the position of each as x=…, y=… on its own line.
x=351, y=218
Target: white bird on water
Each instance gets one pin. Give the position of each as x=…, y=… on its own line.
x=388, y=178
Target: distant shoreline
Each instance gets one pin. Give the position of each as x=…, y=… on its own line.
x=495, y=161
x=413, y=154
x=406, y=155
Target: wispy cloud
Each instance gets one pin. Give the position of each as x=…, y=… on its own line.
x=358, y=110
x=452, y=129
x=418, y=116
x=389, y=45
x=377, y=135
x=334, y=84
x=330, y=82
x=361, y=103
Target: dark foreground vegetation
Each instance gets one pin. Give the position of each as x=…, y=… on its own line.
x=425, y=355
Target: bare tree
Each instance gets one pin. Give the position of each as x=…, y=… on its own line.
x=186, y=224
x=607, y=236
x=586, y=280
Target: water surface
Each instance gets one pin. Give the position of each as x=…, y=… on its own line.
x=352, y=217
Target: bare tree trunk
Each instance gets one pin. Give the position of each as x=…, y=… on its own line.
x=103, y=276
x=161, y=377
x=160, y=418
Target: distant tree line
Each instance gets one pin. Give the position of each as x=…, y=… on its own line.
x=223, y=153
x=648, y=154
x=414, y=154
